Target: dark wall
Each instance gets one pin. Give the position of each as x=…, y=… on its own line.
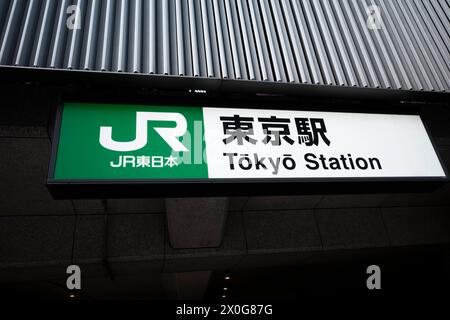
x=122, y=238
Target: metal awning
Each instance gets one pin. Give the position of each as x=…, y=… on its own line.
x=388, y=44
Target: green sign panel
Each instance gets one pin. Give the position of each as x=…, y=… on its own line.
x=121, y=142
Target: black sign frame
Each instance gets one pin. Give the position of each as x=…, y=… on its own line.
x=146, y=188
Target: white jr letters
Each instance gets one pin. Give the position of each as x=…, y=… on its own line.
x=170, y=135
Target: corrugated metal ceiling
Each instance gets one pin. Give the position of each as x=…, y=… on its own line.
x=324, y=42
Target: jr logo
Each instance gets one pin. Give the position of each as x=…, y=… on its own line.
x=170, y=135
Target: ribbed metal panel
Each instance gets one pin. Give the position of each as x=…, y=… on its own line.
x=322, y=42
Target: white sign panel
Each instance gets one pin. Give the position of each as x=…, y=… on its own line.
x=253, y=143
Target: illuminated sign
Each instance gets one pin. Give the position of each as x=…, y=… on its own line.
x=106, y=142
